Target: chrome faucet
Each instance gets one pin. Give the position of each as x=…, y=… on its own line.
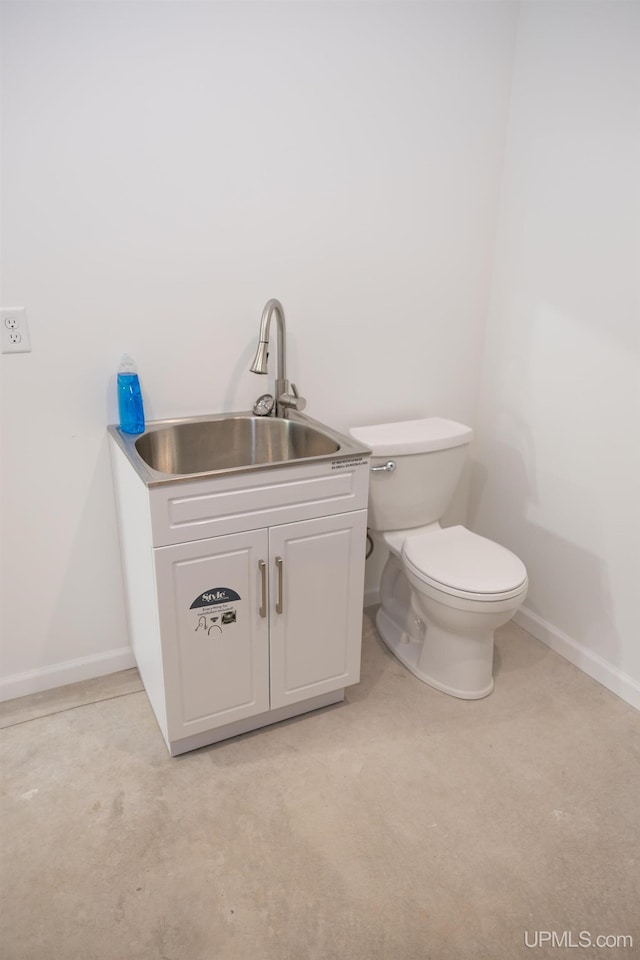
x=286, y=396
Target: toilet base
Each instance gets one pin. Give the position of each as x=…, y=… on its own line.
x=408, y=650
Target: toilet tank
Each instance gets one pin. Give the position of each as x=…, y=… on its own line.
x=428, y=454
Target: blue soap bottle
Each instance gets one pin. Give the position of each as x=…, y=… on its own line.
x=130, y=405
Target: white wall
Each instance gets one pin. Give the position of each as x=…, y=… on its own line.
x=168, y=167
x=557, y=476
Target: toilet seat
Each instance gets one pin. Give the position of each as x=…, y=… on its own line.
x=463, y=564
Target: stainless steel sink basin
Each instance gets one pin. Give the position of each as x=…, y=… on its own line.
x=170, y=451
x=233, y=442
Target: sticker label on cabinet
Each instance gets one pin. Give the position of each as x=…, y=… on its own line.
x=215, y=596
x=216, y=611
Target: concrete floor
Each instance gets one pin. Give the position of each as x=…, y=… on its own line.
x=401, y=825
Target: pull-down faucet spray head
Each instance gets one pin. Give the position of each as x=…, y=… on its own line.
x=285, y=399
x=259, y=364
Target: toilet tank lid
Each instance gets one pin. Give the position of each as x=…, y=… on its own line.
x=412, y=436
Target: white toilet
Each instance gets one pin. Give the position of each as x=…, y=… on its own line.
x=444, y=590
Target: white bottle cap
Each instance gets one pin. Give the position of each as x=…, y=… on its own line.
x=127, y=364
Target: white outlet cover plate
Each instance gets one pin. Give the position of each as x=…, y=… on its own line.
x=14, y=330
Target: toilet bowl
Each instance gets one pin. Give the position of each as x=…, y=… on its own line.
x=444, y=590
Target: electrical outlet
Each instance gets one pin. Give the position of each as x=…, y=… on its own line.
x=14, y=330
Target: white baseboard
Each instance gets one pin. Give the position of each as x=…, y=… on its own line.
x=586, y=660
x=61, y=674
x=86, y=668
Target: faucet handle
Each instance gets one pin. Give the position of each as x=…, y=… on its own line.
x=292, y=400
x=300, y=403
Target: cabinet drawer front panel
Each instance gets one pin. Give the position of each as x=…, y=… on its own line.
x=201, y=509
x=214, y=643
x=315, y=641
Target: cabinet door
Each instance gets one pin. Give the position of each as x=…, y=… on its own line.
x=215, y=642
x=316, y=592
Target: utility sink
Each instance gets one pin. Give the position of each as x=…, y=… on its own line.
x=234, y=442
x=173, y=449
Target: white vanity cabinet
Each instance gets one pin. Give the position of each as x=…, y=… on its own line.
x=244, y=593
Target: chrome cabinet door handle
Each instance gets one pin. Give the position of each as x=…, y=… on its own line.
x=387, y=467
x=280, y=600
x=263, y=582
